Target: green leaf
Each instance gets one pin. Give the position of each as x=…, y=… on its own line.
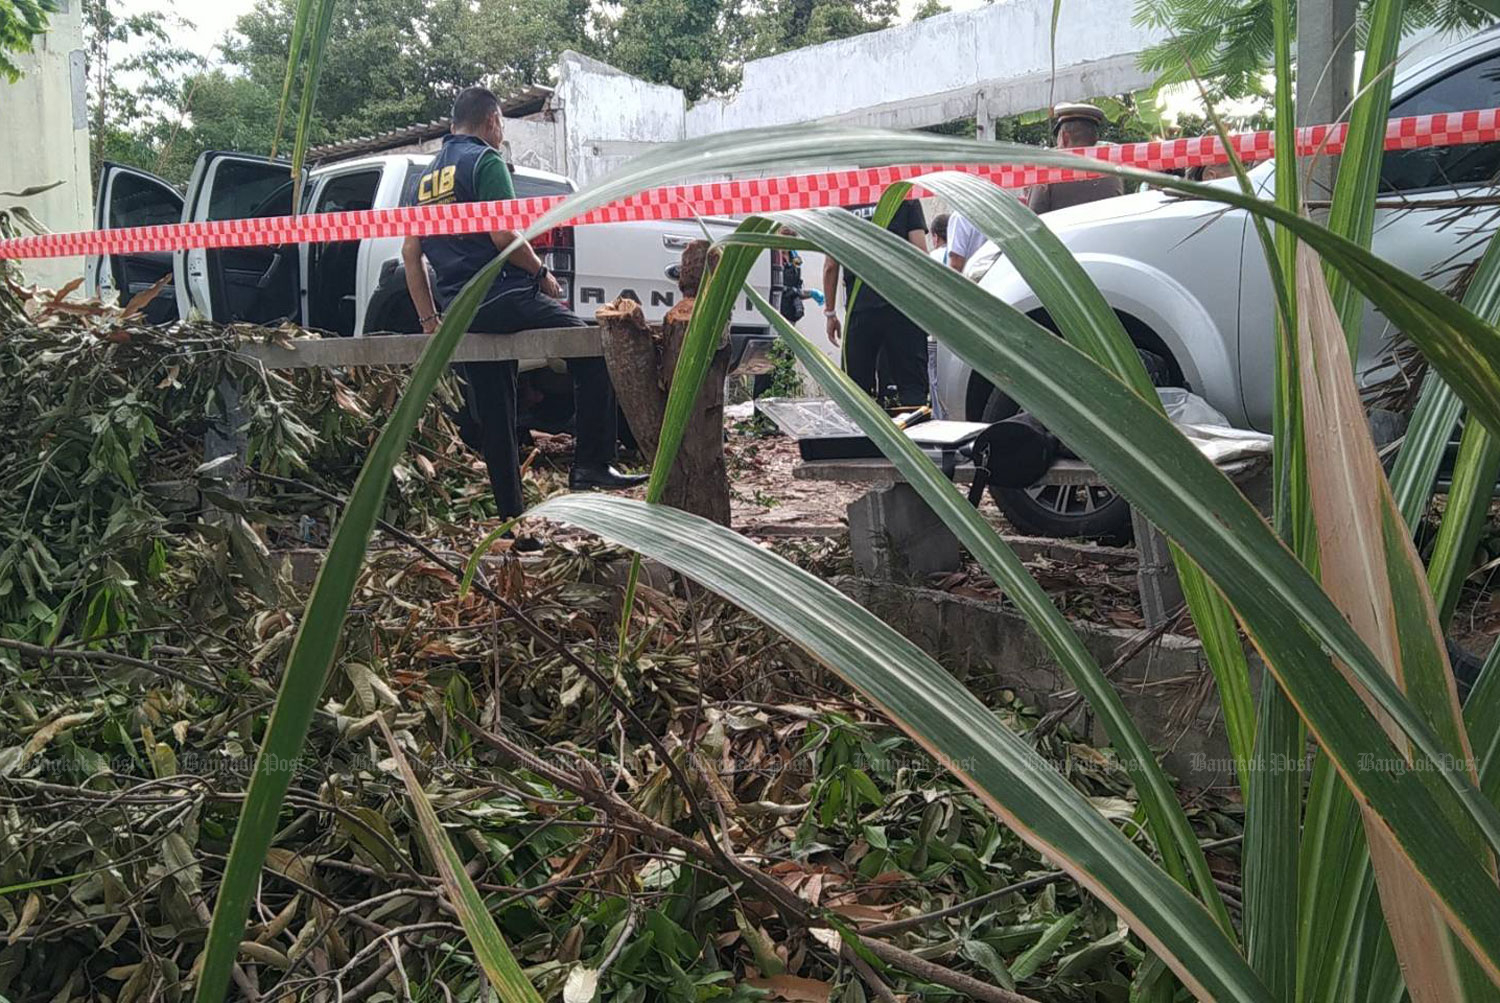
x=313, y=72
x=1474, y=471
x=1038, y=954
x=1272, y=831
x=1352, y=213
x=935, y=709
x=1174, y=836
x=1087, y=320
x=293, y=60
x=316, y=642
x=1427, y=435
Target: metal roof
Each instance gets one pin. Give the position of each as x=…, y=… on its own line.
x=527, y=102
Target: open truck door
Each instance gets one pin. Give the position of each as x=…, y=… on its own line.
x=239, y=285
x=129, y=197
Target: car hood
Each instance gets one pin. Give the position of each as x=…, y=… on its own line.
x=1074, y=224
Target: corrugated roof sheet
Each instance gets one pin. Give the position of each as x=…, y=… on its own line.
x=528, y=102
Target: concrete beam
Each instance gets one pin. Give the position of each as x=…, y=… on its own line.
x=406, y=349
x=883, y=471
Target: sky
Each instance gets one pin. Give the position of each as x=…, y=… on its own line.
x=212, y=18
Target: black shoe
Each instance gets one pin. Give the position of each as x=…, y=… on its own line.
x=606, y=477
x=522, y=544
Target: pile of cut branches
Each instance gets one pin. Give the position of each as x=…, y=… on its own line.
x=103, y=479
x=578, y=811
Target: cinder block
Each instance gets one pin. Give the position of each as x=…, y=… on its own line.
x=896, y=537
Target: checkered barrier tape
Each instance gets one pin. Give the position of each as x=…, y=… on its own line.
x=721, y=198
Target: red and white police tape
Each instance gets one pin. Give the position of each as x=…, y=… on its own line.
x=721, y=198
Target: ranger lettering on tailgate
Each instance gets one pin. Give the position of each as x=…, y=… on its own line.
x=595, y=294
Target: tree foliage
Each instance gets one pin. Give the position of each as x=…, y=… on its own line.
x=1227, y=43
x=391, y=63
x=21, y=21
x=135, y=78
x=791, y=24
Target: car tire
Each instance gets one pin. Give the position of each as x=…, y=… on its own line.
x=1067, y=513
x=998, y=407
x=1090, y=513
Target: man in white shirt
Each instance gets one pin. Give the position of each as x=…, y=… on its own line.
x=964, y=241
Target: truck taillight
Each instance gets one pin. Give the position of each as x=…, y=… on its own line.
x=555, y=247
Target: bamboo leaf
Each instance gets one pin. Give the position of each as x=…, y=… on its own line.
x=1050, y=942
x=489, y=945
x=316, y=643
x=937, y=711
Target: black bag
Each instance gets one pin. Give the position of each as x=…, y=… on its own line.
x=791, y=293
x=1018, y=452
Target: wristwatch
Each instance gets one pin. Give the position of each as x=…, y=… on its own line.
x=540, y=275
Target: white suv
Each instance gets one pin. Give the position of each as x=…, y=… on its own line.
x=1190, y=282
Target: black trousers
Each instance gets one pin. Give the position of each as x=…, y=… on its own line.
x=490, y=395
x=884, y=347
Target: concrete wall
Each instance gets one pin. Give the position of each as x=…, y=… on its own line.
x=536, y=143
x=992, y=61
x=44, y=131
x=610, y=116
x=1166, y=688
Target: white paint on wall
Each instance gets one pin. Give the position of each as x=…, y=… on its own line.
x=609, y=116
x=44, y=131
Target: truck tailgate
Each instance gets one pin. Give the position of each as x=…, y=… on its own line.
x=632, y=259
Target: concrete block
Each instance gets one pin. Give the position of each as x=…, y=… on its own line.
x=1166, y=687
x=894, y=535
x=1161, y=592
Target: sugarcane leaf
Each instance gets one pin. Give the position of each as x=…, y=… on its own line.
x=1371, y=569
x=1136, y=450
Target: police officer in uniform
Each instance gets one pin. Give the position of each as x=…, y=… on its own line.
x=524, y=297
x=1074, y=126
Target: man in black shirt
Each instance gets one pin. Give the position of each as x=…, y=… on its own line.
x=469, y=168
x=883, y=346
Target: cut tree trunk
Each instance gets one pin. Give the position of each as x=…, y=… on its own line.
x=641, y=360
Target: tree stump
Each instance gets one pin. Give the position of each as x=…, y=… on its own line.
x=641, y=360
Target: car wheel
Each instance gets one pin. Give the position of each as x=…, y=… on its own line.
x=1067, y=512
x=1052, y=510
x=998, y=407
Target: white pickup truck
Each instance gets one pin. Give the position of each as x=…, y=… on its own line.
x=354, y=288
